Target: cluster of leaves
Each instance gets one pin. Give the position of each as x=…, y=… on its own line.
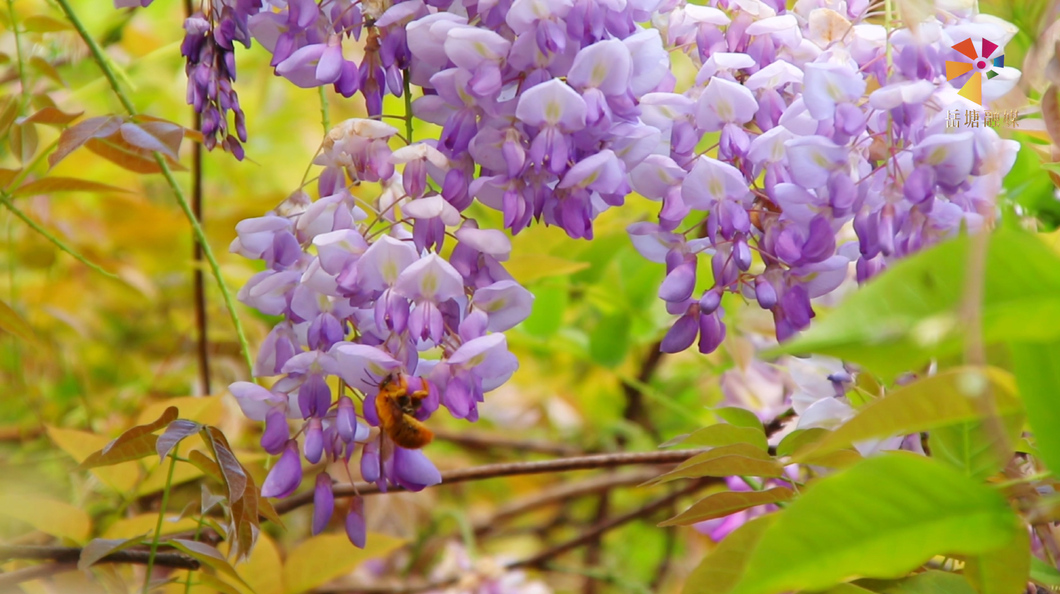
x=984, y=488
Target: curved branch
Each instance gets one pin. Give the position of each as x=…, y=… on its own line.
x=488, y=471
x=72, y=554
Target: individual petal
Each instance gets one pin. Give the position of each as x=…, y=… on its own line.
x=383, y=262
x=432, y=207
x=827, y=84
x=363, y=367
x=487, y=241
x=254, y=400
x=286, y=475
x=651, y=61
x=554, y=104
x=606, y=65
x=323, y=503
x=602, y=172
x=430, y=278
x=469, y=47
x=338, y=247
x=681, y=335
x=712, y=181
x=902, y=93
x=506, y=302
x=724, y=102
x=678, y=285
x=356, y=527
x=276, y=431
x=654, y=176
x=774, y=76
x=414, y=470
x=952, y=156
x=812, y=159
x=488, y=357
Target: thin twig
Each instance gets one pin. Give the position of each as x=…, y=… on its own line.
x=488, y=471
x=541, y=559
x=197, y=276
x=593, y=548
x=635, y=410
x=480, y=441
x=9, y=580
x=167, y=173
x=72, y=554
x=5, y=199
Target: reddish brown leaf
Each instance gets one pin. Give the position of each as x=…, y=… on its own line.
x=73, y=137
x=40, y=23
x=134, y=444
x=206, y=465
x=722, y=504
x=169, y=133
x=49, y=185
x=141, y=137
x=235, y=478
x=123, y=154
x=53, y=116
x=174, y=433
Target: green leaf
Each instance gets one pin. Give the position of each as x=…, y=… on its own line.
x=98, y=548
x=719, y=505
x=934, y=401
x=800, y=438
x=1043, y=573
x=721, y=569
x=722, y=434
x=546, y=318
x=1002, y=570
x=40, y=23
x=609, y=340
x=741, y=459
x=741, y=417
x=928, y=582
x=207, y=555
x=1037, y=367
x=134, y=444
x=910, y=313
x=976, y=448
x=881, y=518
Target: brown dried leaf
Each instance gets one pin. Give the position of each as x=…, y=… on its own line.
x=134, y=444
x=53, y=116
x=49, y=185
x=73, y=137
x=123, y=154
x=722, y=504
x=174, y=433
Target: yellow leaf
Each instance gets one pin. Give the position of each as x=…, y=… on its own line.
x=145, y=523
x=322, y=558
x=201, y=409
x=80, y=444
x=527, y=267
x=47, y=515
x=264, y=569
x=12, y=323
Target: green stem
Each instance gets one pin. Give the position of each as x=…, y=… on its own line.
x=161, y=517
x=18, y=56
x=5, y=199
x=408, y=106
x=198, y=533
x=324, y=119
x=888, y=22
x=200, y=235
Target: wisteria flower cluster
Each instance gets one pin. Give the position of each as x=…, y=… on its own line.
x=812, y=141
x=363, y=301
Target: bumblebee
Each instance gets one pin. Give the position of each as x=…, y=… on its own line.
x=396, y=408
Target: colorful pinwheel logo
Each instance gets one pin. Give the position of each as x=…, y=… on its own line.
x=979, y=65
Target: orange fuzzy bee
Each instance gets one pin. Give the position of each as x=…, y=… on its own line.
x=396, y=408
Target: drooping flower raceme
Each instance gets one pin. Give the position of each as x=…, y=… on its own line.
x=365, y=298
